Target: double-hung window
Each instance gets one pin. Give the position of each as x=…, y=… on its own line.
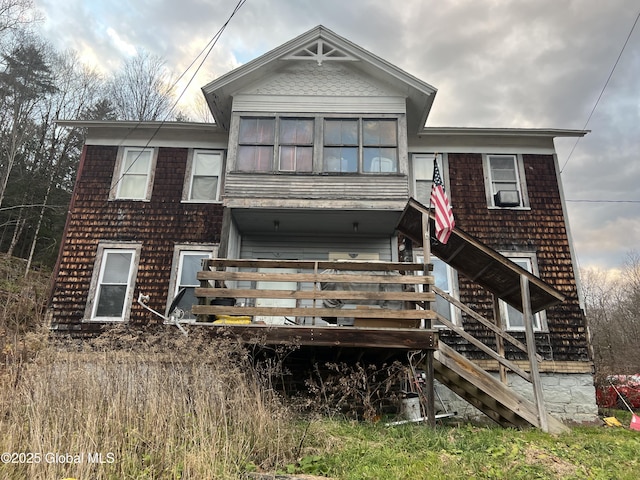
x=505, y=183
x=423, y=175
x=445, y=280
x=512, y=318
x=134, y=177
x=111, y=289
x=187, y=263
x=204, y=178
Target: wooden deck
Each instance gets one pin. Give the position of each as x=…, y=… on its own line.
x=321, y=303
x=369, y=306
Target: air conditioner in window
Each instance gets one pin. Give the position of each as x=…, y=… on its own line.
x=507, y=198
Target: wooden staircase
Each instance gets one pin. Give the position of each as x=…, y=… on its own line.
x=487, y=393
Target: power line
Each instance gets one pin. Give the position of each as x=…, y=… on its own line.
x=603, y=201
x=602, y=91
x=208, y=48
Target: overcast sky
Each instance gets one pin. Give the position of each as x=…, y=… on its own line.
x=525, y=63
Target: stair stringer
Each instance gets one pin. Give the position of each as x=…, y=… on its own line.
x=499, y=402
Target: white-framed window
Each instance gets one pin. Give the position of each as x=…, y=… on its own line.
x=512, y=319
x=446, y=280
x=423, y=175
x=133, y=176
x=111, y=290
x=203, y=178
x=505, y=183
x=187, y=262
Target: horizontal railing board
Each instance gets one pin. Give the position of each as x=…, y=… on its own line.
x=320, y=264
x=488, y=350
x=315, y=294
x=313, y=312
x=491, y=326
x=317, y=277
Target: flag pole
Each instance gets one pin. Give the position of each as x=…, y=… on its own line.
x=426, y=224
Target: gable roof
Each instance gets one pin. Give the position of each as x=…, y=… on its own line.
x=319, y=45
x=479, y=262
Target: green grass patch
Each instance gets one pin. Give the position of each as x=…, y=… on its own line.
x=367, y=451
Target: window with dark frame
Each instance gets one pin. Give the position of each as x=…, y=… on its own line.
x=348, y=145
x=341, y=142
x=256, y=142
x=380, y=146
x=296, y=145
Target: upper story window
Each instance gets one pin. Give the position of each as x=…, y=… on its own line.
x=256, y=141
x=360, y=145
x=296, y=145
x=343, y=145
x=512, y=318
x=111, y=289
x=202, y=182
x=133, y=174
x=423, y=175
x=505, y=183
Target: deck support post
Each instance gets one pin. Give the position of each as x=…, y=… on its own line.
x=531, y=352
x=430, y=394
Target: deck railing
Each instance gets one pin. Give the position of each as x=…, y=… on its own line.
x=355, y=293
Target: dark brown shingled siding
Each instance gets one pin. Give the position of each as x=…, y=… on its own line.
x=158, y=225
x=541, y=230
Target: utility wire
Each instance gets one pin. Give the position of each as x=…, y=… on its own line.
x=603, y=201
x=208, y=48
x=602, y=91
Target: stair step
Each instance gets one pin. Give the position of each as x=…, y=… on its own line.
x=486, y=393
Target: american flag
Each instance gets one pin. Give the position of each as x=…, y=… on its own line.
x=444, y=213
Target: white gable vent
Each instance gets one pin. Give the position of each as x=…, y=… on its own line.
x=507, y=198
x=320, y=51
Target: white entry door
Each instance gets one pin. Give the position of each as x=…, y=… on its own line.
x=275, y=302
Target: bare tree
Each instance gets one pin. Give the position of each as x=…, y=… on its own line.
x=142, y=89
x=613, y=315
x=16, y=14
x=77, y=89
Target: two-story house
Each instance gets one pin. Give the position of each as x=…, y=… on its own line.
x=317, y=148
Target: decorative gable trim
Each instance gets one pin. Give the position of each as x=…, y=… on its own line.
x=320, y=50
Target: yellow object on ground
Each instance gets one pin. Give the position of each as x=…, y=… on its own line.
x=612, y=422
x=232, y=320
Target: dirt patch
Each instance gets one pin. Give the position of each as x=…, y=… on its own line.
x=560, y=467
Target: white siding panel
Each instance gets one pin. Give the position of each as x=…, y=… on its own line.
x=319, y=104
x=291, y=247
x=317, y=187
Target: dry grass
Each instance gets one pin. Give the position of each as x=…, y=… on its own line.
x=157, y=408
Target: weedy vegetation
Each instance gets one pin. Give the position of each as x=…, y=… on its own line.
x=140, y=405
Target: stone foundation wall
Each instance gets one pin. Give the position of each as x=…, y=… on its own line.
x=570, y=398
